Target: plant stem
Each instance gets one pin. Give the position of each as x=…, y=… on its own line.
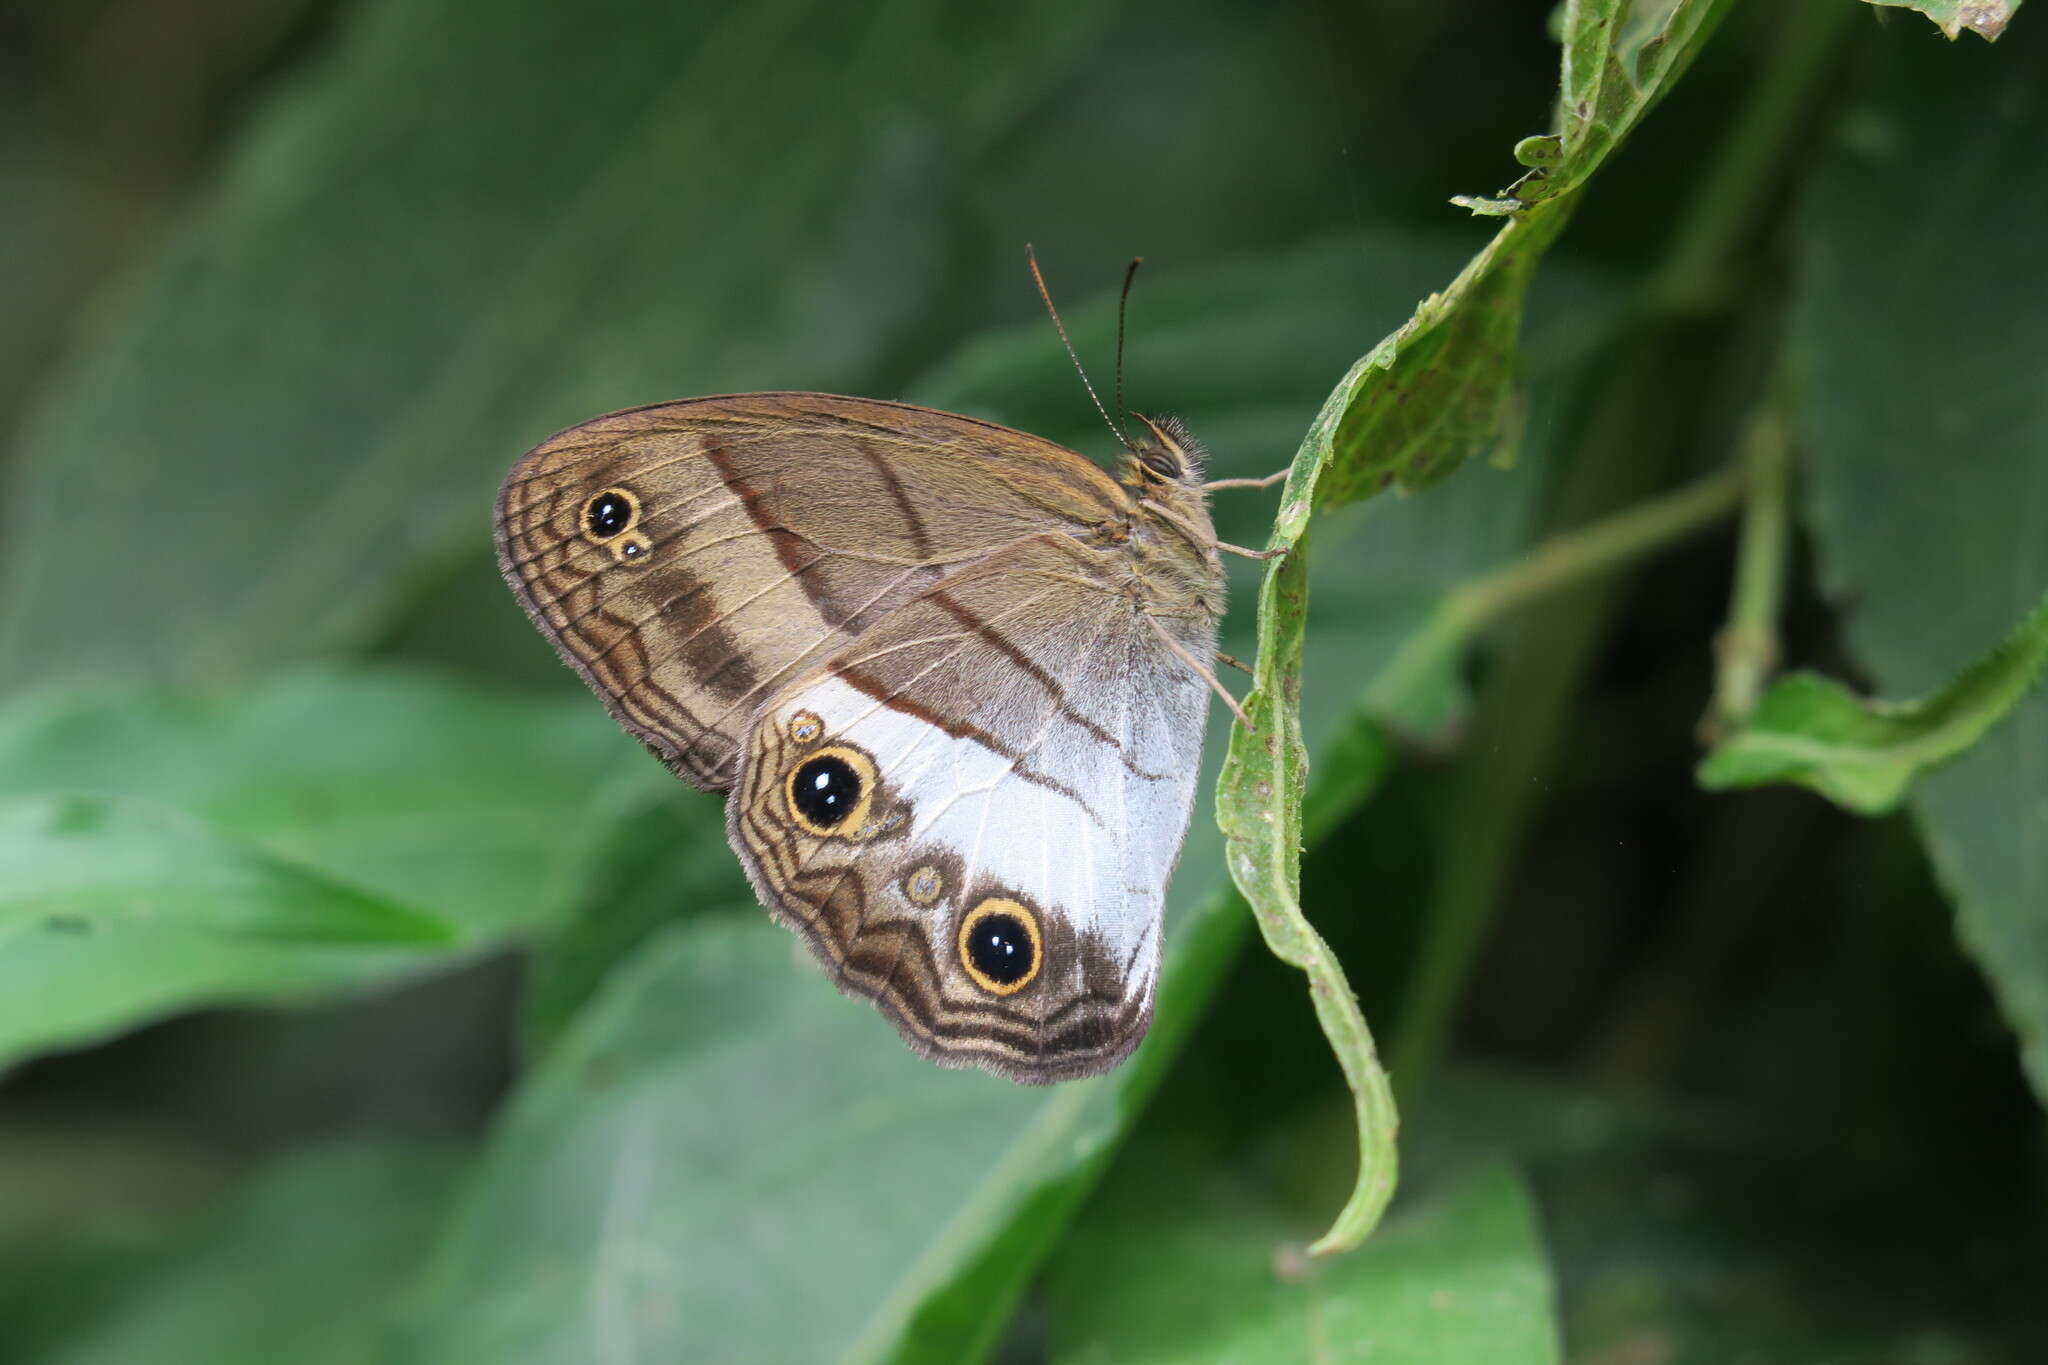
x=1605, y=545
x=1519, y=719
x=1746, y=650
x=1518, y=722
x=1566, y=559
x=1696, y=275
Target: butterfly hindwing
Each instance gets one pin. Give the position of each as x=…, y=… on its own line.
x=972, y=811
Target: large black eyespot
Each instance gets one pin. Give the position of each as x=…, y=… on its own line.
x=609, y=513
x=831, y=792
x=825, y=790
x=1000, y=946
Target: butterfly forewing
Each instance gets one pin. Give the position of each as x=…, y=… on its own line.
x=688, y=559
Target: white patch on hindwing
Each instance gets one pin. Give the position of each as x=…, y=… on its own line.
x=1103, y=870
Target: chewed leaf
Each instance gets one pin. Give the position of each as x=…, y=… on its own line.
x=1620, y=57
x=1445, y=386
x=1864, y=755
x=1440, y=389
x=1259, y=807
x=1985, y=18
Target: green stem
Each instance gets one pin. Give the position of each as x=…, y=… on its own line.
x=1608, y=544
x=1696, y=276
x=1518, y=723
x=1747, y=648
x=1564, y=560
x=1519, y=720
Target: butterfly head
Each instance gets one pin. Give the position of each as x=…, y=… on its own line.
x=1174, y=542
x=1163, y=453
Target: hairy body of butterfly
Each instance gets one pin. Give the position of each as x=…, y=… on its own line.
x=946, y=670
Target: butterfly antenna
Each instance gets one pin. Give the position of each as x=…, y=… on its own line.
x=1123, y=302
x=1046, y=294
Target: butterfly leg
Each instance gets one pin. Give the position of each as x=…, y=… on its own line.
x=1228, y=548
x=1236, y=663
x=1266, y=482
x=1202, y=671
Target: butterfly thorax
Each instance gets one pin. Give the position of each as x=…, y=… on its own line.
x=1172, y=542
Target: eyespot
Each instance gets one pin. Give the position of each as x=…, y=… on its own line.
x=610, y=513
x=829, y=793
x=924, y=885
x=805, y=727
x=631, y=548
x=1000, y=946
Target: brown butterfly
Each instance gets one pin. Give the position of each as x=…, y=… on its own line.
x=953, y=676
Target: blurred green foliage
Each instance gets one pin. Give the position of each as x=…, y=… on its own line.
x=368, y=996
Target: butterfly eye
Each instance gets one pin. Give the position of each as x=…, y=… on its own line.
x=1161, y=462
x=829, y=793
x=1000, y=945
x=609, y=513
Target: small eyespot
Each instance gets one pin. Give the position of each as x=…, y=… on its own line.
x=924, y=885
x=1000, y=946
x=805, y=727
x=632, y=548
x=610, y=513
x=829, y=793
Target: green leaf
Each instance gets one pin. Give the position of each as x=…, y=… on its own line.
x=1918, y=328
x=88, y=865
x=306, y=1262
x=114, y=911
x=1697, y=1234
x=648, y=1191
x=1985, y=18
x=455, y=233
x=665, y=858
x=1259, y=809
x=252, y=845
x=1167, y=1268
x=1411, y=410
x=1443, y=388
x=1620, y=58
x=1864, y=755
x=936, y=1265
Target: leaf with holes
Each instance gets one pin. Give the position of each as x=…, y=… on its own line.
x=1985, y=18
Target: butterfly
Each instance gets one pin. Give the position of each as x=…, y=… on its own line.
x=953, y=678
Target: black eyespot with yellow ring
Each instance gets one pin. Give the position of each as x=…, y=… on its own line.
x=1000, y=946
x=610, y=515
x=831, y=791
